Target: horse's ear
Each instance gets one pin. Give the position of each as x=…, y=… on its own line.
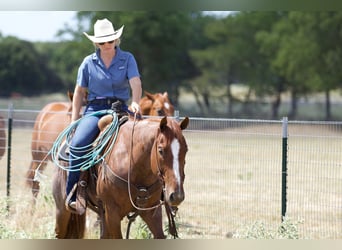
x=165, y=94
x=184, y=124
x=163, y=123
x=149, y=95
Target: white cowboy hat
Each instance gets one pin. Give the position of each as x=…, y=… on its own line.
x=104, y=32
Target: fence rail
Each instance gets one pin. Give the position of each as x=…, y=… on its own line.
x=235, y=174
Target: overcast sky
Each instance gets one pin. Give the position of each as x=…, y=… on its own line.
x=35, y=25
x=42, y=26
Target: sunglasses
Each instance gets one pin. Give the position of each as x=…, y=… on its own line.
x=106, y=42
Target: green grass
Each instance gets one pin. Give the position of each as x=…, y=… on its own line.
x=233, y=182
x=288, y=229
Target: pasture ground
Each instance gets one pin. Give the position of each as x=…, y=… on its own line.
x=233, y=181
x=233, y=177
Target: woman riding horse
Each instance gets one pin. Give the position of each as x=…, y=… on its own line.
x=107, y=76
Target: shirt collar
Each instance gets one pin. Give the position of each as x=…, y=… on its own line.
x=96, y=55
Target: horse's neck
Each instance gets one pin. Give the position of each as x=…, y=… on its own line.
x=144, y=134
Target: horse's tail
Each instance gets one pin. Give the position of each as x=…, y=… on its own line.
x=31, y=181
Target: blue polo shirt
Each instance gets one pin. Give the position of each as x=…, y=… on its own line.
x=112, y=82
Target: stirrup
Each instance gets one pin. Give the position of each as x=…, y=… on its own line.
x=68, y=199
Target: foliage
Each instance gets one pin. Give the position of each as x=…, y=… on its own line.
x=288, y=229
x=271, y=53
x=159, y=41
x=21, y=222
x=23, y=69
x=141, y=230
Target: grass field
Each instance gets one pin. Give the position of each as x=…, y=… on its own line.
x=233, y=182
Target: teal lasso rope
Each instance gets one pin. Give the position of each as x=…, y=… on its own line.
x=92, y=153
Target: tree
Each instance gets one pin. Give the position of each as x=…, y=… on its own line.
x=306, y=52
x=159, y=42
x=233, y=55
x=327, y=27
x=23, y=69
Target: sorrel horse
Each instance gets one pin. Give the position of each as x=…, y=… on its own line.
x=2, y=137
x=51, y=120
x=146, y=163
x=54, y=117
x=157, y=104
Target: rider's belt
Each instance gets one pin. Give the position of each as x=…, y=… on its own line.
x=104, y=101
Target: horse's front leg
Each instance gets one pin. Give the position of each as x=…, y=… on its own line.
x=111, y=223
x=153, y=219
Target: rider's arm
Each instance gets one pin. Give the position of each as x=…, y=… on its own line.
x=135, y=83
x=77, y=102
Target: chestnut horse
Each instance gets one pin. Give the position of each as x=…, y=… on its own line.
x=2, y=137
x=156, y=105
x=144, y=166
x=51, y=120
x=54, y=117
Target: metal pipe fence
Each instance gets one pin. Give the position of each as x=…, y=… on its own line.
x=235, y=174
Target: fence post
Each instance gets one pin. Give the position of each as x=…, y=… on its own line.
x=284, y=169
x=9, y=149
x=176, y=115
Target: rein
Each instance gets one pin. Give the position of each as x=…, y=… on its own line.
x=131, y=217
x=170, y=214
x=129, y=179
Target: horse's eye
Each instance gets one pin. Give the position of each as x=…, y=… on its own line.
x=161, y=150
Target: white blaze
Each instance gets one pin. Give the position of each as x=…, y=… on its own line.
x=175, y=152
x=167, y=105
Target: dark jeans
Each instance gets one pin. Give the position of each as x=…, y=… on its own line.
x=85, y=133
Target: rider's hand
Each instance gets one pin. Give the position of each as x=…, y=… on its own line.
x=135, y=107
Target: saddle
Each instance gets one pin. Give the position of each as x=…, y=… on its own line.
x=86, y=185
x=63, y=154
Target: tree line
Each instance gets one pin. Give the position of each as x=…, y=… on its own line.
x=270, y=52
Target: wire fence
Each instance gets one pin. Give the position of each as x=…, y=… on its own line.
x=234, y=171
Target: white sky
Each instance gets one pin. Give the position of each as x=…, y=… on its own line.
x=42, y=26
x=35, y=26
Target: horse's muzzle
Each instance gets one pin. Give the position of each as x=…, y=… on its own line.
x=176, y=198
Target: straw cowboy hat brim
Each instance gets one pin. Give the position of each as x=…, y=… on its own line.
x=104, y=32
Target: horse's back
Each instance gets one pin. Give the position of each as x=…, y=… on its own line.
x=51, y=120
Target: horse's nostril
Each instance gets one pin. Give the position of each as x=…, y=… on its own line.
x=160, y=112
x=176, y=197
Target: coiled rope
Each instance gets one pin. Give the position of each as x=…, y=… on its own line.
x=92, y=153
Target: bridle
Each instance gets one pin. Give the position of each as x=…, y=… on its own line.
x=129, y=171
x=171, y=213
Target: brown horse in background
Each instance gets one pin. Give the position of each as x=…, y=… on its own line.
x=2, y=137
x=145, y=164
x=156, y=105
x=54, y=117
x=51, y=120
